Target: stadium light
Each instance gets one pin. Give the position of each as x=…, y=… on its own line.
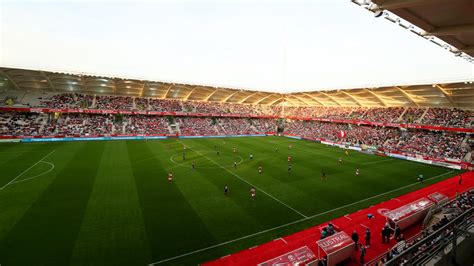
x=380, y=12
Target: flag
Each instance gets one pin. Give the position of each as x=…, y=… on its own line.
x=342, y=134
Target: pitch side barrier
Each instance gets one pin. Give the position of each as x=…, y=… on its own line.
x=224, y=136
x=444, y=162
x=127, y=137
x=89, y=139
x=343, y=121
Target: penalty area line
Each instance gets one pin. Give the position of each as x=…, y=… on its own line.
x=26, y=170
x=51, y=168
x=285, y=225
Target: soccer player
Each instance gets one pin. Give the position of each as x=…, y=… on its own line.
x=226, y=189
x=289, y=159
x=289, y=167
x=276, y=149
x=253, y=193
x=289, y=146
x=357, y=171
x=420, y=178
x=340, y=159
x=194, y=166
x=217, y=152
x=235, y=150
x=260, y=169
x=170, y=177
x=323, y=174
x=235, y=164
x=347, y=153
x=251, y=156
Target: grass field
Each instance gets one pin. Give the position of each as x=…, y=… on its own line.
x=109, y=203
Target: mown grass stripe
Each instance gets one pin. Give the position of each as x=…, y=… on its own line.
x=168, y=217
x=47, y=232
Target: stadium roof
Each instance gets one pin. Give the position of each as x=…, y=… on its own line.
x=284, y=46
x=455, y=94
x=448, y=21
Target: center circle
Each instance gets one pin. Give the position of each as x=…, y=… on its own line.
x=203, y=156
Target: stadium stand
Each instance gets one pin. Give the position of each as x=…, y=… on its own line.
x=386, y=128
x=422, y=247
x=418, y=131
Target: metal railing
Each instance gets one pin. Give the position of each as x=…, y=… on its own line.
x=412, y=256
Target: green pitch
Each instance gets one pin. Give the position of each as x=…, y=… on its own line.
x=110, y=203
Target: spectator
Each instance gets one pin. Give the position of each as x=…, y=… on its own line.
x=367, y=237
x=355, y=238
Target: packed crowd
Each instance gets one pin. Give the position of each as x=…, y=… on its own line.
x=197, y=126
x=416, y=142
x=448, y=117
x=224, y=126
x=431, y=116
x=383, y=115
x=353, y=134
x=67, y=100
x=20, y=124
x=164, y=105
x=113, y=103
x=437, y=144
x=413, y=141
x=142, y=124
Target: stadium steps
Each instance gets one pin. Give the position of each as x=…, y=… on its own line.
x=177, y=129
x=124, y=125
x=93, y=101
x=401, y=116
x=422, y=116
x=440, y=259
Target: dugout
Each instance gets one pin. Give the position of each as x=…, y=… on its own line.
x=409, y=214
x=337, y=248
x=438, y=198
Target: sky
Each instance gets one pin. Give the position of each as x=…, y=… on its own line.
x=282, y=46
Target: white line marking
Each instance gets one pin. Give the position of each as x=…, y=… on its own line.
x=375, y=162
x=236, y=175
x=26, y=170
x=33, y=177
x=288, y=224
x=325, y=155
x=202, y=167
x=365, y=226
x=283, y=240
x=347, y=217
x=397, y=199
x=19, y=151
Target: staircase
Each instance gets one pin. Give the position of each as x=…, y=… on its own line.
x=401, y=116
x=422, y=116
x=93, y=102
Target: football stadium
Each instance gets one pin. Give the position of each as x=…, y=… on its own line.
x=100, y=169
